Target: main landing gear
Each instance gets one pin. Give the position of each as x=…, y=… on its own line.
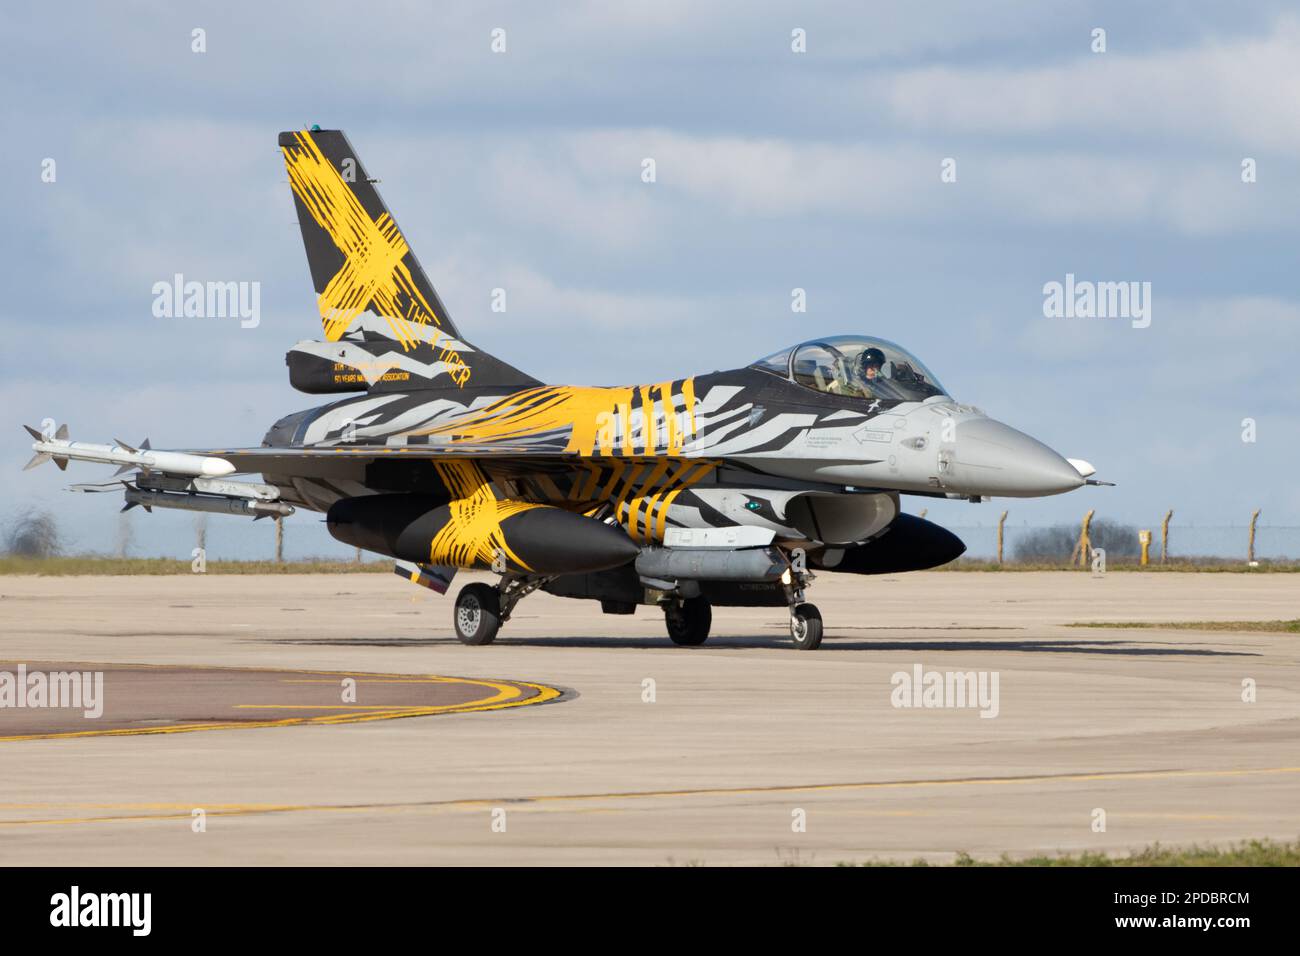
x=477, y=617
x=481, y=609
x=688, y=621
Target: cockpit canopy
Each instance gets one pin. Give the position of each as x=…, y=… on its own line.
x=855, y=366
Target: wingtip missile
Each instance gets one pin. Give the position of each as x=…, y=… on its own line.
x=128, y=457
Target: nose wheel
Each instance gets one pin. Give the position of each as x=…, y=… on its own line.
x=806, y=627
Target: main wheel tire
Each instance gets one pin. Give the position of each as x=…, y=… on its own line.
x=688, y=625
x=806, y=627
x=477, y=616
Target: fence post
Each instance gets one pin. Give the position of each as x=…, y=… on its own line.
x=1250, y=550
x=1084, y=547
x=279, y=539
x=1164, y=536
x=1144, y=539
x=1001, y=522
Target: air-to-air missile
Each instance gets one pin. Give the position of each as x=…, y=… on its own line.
x=164, y=479
x=61, y=450
x=503, y=536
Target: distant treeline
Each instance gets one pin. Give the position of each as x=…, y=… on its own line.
x=1058, y=542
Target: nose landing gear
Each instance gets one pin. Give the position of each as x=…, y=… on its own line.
x=805, y=619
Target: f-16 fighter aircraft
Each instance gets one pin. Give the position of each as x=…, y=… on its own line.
x=733, y=488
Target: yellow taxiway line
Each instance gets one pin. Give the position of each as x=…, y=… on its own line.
x=523, y=803
x=504, y=694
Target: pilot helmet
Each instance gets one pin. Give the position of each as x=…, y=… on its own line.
x=872, y=358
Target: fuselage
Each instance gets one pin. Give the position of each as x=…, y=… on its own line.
x=745, y=447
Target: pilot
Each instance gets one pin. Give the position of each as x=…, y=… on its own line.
x=870, y=364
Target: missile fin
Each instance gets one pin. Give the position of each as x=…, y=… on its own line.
x=62, y=433
x=144, y=445
x=61, y=462
x=34, y=433
x=39, y=458
x=122, y=444
x=99, y=488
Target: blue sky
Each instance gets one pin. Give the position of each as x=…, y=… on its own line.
x=775, y=170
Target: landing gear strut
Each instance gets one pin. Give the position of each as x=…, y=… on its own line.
x=688, y=621
x=481, y=609
x=805, y=619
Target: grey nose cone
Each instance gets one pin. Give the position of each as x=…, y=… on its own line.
x=990, y=458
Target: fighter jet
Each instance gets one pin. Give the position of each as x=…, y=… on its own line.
x=733, y=488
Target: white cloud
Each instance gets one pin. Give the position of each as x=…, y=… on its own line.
x=1237, y=92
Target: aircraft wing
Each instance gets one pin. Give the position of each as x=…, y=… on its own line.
x=323, y=461
x=308, y=461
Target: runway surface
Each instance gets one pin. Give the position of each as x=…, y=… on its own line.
x=645, y=752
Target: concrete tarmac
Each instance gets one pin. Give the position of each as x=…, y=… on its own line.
x=741, y=751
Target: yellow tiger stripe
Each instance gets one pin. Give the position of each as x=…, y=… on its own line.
x=703, y=468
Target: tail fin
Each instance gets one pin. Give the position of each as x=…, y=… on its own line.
x=369, y=285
